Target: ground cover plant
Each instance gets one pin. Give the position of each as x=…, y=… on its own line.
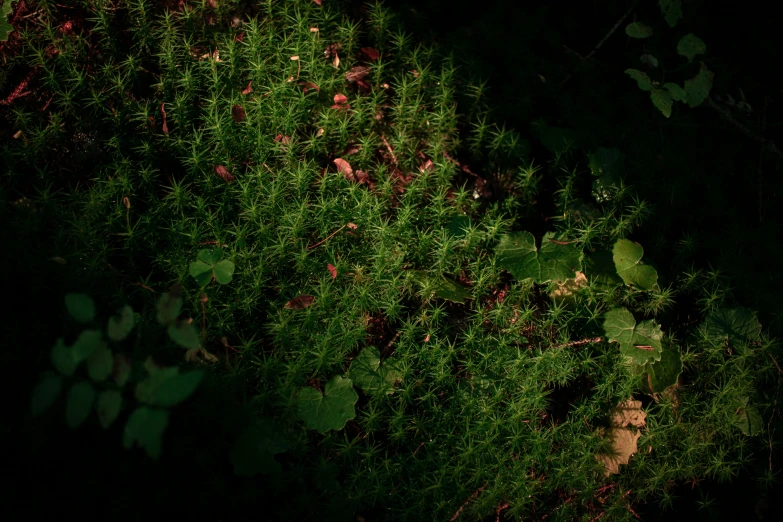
x=325, y=305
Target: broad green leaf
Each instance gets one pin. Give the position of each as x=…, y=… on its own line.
x=458, y=225
x=642, y=80
x=747, y=418
x=698, y=88
x=638, y=30
x=79, y=403
x=81, y=307
x=675, y=91
x=255, y=447
x=600, y=270
x=627, y=257
x=45, y=393
x=672, y=11
x=184, y=334
x=121, y=325
x=168, y=387
x=5, y=26
x=211, y=264
x=554, y=261
x=443, y=286
x=145, y=428
x=663, y=100
x=691, y=45
x=169, y=308
x=664, y=373
x=108, y=407
x=329, y=410
x=639, y=343
x=100, y=363
x=736, y=325
x=649, y=60
x=370, y=375
x=86, y=344
x=63, y=359
x=607, y=164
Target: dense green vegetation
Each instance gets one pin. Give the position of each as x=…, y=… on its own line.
x=292, y=259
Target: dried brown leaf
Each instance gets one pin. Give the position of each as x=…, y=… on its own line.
x=248, y=89
x=165, y=127
x=345, y=168
x=317, y=2
x=352, y=226
x=357, y=73
x=623, y=447
x=223, y=172
x=299, y=302
x=340, y=99
x=310, y=85
x=565, y=291
x=238, y=113
x=332, y=270
x=426, y=166
x=370, y=54
x=628, y=412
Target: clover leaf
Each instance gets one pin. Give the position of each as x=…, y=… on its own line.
x=639, y=343
x=370, y=375
x=329, y=410
x=210, y=264
x=627, y=257
x=145, y=429
x=554, y=261
x=672, y=11
x=736, y=325
x=255, y=447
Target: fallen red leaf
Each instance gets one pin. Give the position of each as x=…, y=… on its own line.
x=370, y=53
x=278, y=138
x=345, y=168
x=299, y=302
x=351, y=148
x=340, y=99
x=165, y=127
x=427, y=165
x=363, y=86
x=239, y=37
x=352, y=226
x=248, y=89
x=238, y=113
x=332, y=270
x=310, y=85
x=357, y=73
x=317, y=2
x=223, y=172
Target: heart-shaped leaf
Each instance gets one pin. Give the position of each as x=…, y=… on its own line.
x=255, y=448
x=642, y=80
x=184, y=334
x=168, y=387
x=600, y=270
x=371, y=376
x=691, y=45
x=698, y=88
x=638, y=30
x=79, y=403
x=663, y=101
x=672, y=11
x=81, y=307
x=664, y=373
x=554, y=261
x=100, y=363
x=329, y=410
x=639, y=343
x=675, y=91
x=62, y=358
x=211, y=264
x=735, y=326
x=443, y=286
x=627, y=257
x=145, y=428
x=169, y=307
x=108, y=407
x=649, y=60
x=121, y=325
x=45, y=393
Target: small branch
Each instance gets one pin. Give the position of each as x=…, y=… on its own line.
x=388, y=147
x=603, y=40
x=472, y=497
x=20, y=89
x=462, y=167
x=581, y=342
x=327, y=238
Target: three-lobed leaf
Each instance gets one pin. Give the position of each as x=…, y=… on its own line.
x=81, y=307
x=639, y=343
x=554, y=261
x=210, y=264
x=331, y=409
x=627, y=257
x=372, y=376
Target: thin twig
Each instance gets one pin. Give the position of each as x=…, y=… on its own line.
x=388, y=147
x=463, y=506
x=327, y=238
x=603, y=40
x=463, y=168
x=581, y=342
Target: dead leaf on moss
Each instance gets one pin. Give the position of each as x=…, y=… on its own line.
x=565, y=291
x=345, y=168
x=628, y=412
x=332, y=270
x=223, y=172
x=370, y=53
x=238, y=113
x=299, y=302
x=317, y=2
x=357, y=73
x=200, y=355
x=623, y=439
x=248, y=89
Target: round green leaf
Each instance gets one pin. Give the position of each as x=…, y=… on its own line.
x=675, y=91
x=747, y=418
x=100, y=363
x=639, y=343
x=185, y=335
x=255, y=447
x=330, y=410
x=698, y=88
x=63, y=359
x=443, y=287
x=691, y=45
x=736, y=325
x=672, y=11
x=370, y=375
x=638, y=30
x=169, y=308
x=642, y=80
x=86, y=344
x=664, y=373
x=121, y=325
x=555, y=261
x=224, y=270
x=210, y=256
x=600, y=270
x=45, y=393
x=201, y=272
x=649, y=60
x=145, y=428
x=79, y=403
x=167, y=387
x=81, y=307
x=108, y=407
x=663, y=101
x=627, y=257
